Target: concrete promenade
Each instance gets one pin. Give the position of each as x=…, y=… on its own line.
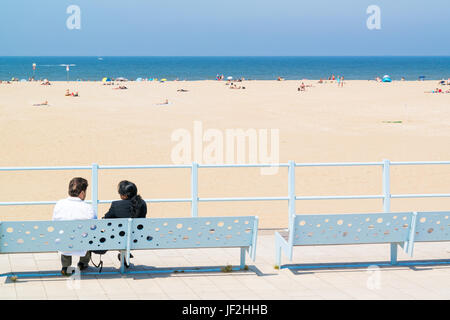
x=260, y=281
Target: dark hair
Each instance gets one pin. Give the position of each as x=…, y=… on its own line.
x=76, y=186
x=129, y=190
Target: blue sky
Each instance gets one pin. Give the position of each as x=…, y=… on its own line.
x=223, y=28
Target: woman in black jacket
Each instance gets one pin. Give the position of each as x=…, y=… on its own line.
x=131, y=205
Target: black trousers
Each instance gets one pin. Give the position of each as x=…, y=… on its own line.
x=66, y=261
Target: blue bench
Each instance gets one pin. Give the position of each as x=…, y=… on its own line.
x=403, y=229
x=130, y=234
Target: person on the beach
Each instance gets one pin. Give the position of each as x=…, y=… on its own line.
x=131, y=204
x=73, y=94
x=342, y=81
x=163, y=103
x=74, y=208
x=437, y=90
x=45, y=103
x=302, y=87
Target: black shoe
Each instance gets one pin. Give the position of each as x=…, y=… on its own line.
x=82, y=266
x=125, y=262
x=65, y=273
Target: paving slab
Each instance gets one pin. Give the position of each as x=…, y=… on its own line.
x=260, y=282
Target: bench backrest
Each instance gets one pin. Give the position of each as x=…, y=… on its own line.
x=49, y=236
x=432, y=226
x=370, y=228
x=193, y=232
x=119, y=234
x=350, y=228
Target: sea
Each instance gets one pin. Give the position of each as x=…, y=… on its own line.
x=207, y=68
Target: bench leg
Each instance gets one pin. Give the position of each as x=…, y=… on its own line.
x=242, y=266
x=393, y=253
x=122, y=261
x=277, y=255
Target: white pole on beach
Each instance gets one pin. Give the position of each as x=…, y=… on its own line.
x=67, y=69
x=34, y=69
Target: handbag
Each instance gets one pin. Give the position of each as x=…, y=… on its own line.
x=100, y=264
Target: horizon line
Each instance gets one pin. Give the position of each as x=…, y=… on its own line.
x=227, y=56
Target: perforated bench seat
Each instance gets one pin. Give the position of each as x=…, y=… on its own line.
x=402, y=228
x=130, y=234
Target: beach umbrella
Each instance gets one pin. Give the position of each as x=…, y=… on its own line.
x=229, y=78
x=106, y=79
x=139, y=79
x=162, y=80
x=386, y=78
x=121, y=79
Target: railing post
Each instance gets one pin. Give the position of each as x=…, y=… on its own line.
x=291, y=190
x=94, y=187
x=387, y=201
x=386, y=186
x=194, y=189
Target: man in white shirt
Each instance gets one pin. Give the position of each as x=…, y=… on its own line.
x=74, y=208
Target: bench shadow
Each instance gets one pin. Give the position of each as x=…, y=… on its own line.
x=416, y=265
x=137, y=272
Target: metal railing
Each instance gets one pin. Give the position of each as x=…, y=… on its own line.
x=386, y=195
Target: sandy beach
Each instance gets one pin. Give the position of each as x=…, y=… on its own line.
x=362, y=121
